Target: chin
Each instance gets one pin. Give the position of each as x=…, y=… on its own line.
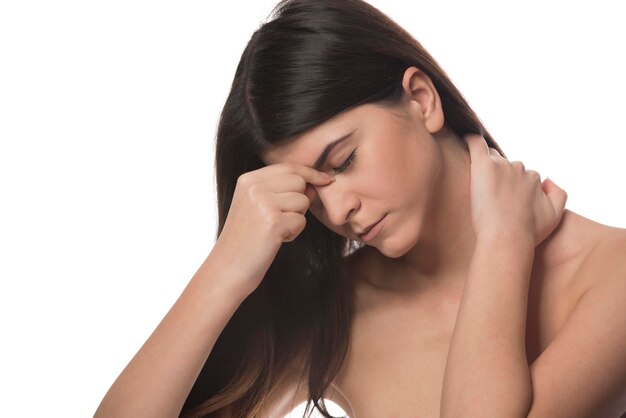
x=391, y=249
x=399, y=243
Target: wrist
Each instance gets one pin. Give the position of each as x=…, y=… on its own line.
x=509, y=256
x=222, y=280
x=498, y=237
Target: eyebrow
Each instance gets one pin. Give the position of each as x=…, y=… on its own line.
x=321, y=160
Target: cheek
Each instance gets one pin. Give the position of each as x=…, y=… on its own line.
x=425, y=172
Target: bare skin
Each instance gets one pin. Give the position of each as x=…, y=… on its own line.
x=396, y=361
x=409, y=279
x=395, y=364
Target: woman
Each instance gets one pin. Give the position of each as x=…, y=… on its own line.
x=409, y=270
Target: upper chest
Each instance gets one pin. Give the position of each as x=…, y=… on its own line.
x=396, y=360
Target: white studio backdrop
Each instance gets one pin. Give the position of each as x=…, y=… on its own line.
x=108, y=113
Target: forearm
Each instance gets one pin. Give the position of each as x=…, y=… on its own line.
x=487, y=373
x=160, y=376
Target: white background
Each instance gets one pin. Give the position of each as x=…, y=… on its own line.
x=108, y=113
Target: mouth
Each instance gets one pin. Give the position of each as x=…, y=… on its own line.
x=367, y=229
x=361, y=235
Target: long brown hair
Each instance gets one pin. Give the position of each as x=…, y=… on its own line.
x=312, y=61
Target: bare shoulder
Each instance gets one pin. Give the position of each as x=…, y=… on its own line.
x=606, y=258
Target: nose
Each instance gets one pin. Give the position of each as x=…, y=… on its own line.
x=335, y=202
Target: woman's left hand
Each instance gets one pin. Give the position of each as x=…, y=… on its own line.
x=505, y=196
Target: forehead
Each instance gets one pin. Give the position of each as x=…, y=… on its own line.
x=306, y=147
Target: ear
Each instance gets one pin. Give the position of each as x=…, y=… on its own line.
x=423, y=99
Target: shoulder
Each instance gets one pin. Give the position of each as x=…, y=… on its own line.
x=613, y=246
x=579, y=256
x=580, y=372
x=605, y=260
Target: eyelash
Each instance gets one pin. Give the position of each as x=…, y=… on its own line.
x=346, y=163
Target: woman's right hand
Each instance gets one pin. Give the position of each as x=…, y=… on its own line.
x=267, y=209
x=507, y=197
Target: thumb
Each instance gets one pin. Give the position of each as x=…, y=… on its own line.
x=557, y=196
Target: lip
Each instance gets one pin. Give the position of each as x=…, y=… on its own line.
x=373, y=231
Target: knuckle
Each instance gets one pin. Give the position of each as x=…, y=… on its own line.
x=301, y=222
x=253, y=190
x=291, y=231
x=534, y=174
x=305, y=202
x=265, y=212
x=273, y=219
x=287, y=235
x=299, y=199
x=244, y=178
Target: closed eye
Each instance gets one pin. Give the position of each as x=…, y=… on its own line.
x=346, y=163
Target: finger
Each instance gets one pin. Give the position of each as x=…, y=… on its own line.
x=294, y=224
x=313, y=176
x=477, y=146
x=534, y=174
x=557, y=196
x=519, y=165
x=292, y=202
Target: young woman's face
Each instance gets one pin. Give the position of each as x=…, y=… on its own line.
x=388, y=167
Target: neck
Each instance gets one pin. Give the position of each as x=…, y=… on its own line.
x=440, y=259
